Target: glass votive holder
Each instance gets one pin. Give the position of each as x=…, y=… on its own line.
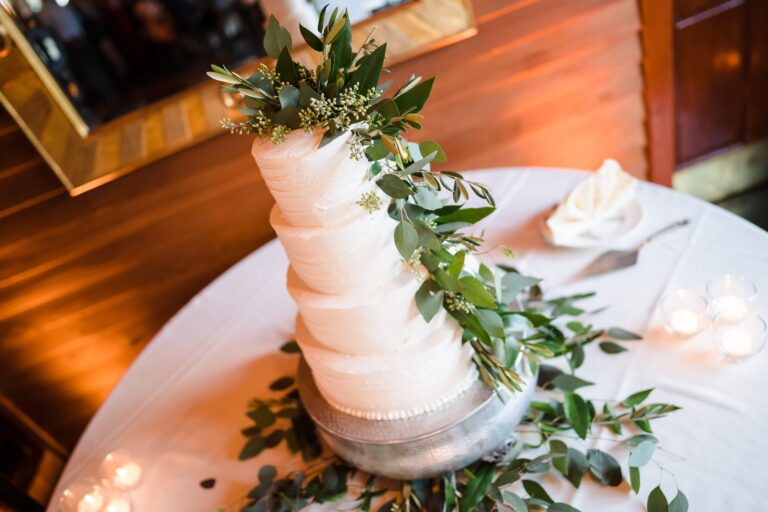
x=684, y=312
x=738, y=340
x=118, y=501
x=85, y=495
x=730, y=295
x=120, y=470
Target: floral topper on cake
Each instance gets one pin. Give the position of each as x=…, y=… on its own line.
x=341, y=91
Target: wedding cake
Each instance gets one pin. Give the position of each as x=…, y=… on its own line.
x=371, y=353
x=395, y=319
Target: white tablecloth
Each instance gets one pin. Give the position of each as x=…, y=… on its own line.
x=181, y=405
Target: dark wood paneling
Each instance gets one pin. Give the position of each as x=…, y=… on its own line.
x=659, y=69
x=757, y=104
x=538, y=72
x=711, y=84
x=85, y=282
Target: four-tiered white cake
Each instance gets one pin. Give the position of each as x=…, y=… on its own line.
x=371, y=353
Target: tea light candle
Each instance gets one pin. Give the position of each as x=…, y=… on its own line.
x=730, y=307
x=736, y=344
x=683, y=312
x=119, y=504
x=82, y=496
x=730, y=295
x=685, y=322
x=120, y=470
x=91, y=502
x=737, y=340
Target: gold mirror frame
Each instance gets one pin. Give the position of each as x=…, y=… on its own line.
x=84, y=159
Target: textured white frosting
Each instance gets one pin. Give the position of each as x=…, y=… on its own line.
x=371, y=353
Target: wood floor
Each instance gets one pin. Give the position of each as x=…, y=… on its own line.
x=86, y=282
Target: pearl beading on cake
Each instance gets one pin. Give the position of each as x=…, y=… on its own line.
x=402, y=414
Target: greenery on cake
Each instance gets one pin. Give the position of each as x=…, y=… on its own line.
x=343, y=93
x=553, y=439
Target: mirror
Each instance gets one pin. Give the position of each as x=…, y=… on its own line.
x=104, y=86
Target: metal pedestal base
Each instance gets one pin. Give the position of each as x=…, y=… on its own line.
x=466, y=429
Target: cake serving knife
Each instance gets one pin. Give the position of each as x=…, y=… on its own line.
x=616, y=260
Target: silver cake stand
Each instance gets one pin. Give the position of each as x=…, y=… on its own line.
x=466, y=429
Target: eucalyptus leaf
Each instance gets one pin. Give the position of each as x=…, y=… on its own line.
x=282, y=383
x=514, y=501
x=559, y=453
x=491, y=322
x=623, y=334
x=477, y=487
x=276, y=38
x=429, y=299
x=457, y=264
x=507, y=478
x=366, y=76
x=469, y=215
x=642, y=454
x=420, y=165
x=636, y=398
x=311, y=39
x=679, y=503
x=429, y=146
x=570, y=382
x=253, y=447
x=604, y=467
x=288, y=117
x=640, y=438
x=535, y=490
x=406, y=239
x=476, y=292
x=262, y=416
x=577, y=413
x=286, y=68
x=657, y=502
x=290, y=347
x=634, y=479
x=446, y=281
x=577, y=466
x=610, y=347
x=394, y=186
x=414, y=99
x=387, y=108
x=306, y=94
x=267, y=473
x=376, y=151
x=513, y=284
x=219, y=77
x=562, y=507
x=289, y=96
x=427, y=198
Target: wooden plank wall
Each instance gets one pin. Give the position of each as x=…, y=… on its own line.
x=86, y=282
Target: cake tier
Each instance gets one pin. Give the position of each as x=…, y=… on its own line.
x=372, y=322
x=421, y=376
x=370, y=351
x=313, y=186
x=351, y=257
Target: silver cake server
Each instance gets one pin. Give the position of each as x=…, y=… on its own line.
x=615, y=260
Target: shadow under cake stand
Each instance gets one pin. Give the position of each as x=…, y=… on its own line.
x=468, y=428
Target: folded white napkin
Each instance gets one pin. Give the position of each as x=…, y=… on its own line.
x=596, y=199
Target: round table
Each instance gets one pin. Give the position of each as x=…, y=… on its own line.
x=180, y=406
